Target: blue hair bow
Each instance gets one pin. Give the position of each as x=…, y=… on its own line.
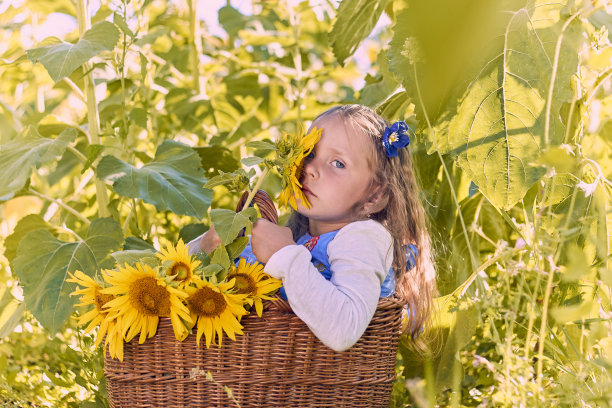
x=396, y=137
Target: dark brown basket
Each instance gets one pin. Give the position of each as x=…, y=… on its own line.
x=278, y=362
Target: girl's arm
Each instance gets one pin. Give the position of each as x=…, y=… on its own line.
x=337, y=311
x=206, y=242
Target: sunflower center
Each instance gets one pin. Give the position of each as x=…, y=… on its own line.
x=150, y=298
x=206, y=302
x=181, y=271
x=101, y=299
x=244, y=284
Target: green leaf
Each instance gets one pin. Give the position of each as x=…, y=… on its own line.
x=172, y=181
x=231, y=20
x=238, y=177
x=395, y=107
x=212, y=269
x=377, y=90
x=10, y=317
x=120, y=22
x=355, y=20
x=458, y=328
x=228, y=224
x=192, y=231
x=137, y=244
x=499, y=130
x=220, y=257
x=21, y=154
x=235, y=248
x=26, y=224
x=93, y=152
x=60, y=58
x=251, y=161
x=133, y=256
x=261, y=145
x=215, y=158
x=43, y=261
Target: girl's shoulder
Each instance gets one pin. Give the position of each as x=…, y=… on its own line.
x=369, y=230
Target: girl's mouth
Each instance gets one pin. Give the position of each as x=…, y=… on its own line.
x=305, y=190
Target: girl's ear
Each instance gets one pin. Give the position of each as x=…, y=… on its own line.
x=377, y=201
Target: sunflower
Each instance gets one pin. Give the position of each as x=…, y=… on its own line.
x=292, y=152
x=215, y=310
x=91, y=295
x=250, y=279
x=182, y=266
x=114, y=339
x=141, y=298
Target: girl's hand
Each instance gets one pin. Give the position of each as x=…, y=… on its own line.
x=210, y=240
x=267, y=238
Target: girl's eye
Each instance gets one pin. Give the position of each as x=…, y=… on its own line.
x=338, y=164
x=310, y=155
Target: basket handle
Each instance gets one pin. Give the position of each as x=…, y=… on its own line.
x=264, y=202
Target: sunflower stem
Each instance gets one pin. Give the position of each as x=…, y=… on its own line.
x=263, y=175
x=61, y=205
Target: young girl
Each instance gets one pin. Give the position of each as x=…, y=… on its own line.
x=362, y=237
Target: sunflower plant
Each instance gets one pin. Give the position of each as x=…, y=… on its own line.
x=205, y=294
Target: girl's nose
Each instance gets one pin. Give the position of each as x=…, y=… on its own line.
x=310, y=169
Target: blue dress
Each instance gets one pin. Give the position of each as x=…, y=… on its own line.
x=317, y=245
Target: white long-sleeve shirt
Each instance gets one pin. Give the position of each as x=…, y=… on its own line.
x=338, y=310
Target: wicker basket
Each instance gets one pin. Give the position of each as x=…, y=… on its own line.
x=278, y=362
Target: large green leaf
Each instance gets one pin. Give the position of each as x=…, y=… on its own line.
x=172, y=181
x=438, y=44
x=229, y=223
x=377, y=90
x=215, y=158
x=498, y=132
x=26, y=224
x=43, y=262
x=355, y=20
x=60, y=58
x=21, y=154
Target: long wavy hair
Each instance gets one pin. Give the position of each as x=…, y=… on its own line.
x=399, y=209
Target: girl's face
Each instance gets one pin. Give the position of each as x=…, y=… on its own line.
x=336, y=176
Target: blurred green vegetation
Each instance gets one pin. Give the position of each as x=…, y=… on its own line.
x=511, y=102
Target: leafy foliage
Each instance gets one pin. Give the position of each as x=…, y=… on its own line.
x=513, y=150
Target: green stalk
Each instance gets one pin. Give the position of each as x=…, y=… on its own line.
x=547, y=292
x=61, y=204
x=446, y=172
x=93, y=117
x=122, y=75
x=297, y=60
x=196, y=45
x=553, y=77
x=263, y=175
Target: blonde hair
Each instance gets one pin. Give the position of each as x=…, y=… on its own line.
x=398, y=209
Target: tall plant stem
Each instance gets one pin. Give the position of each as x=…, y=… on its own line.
x=553, y=77
x=263, y=175
x=297, y=60
x=196, y=45
x=62, y=205
x=93, y=117
x=446, y=172
x=122, y=75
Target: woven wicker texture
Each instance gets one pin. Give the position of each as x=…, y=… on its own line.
x=264, y=202
x=278, y=362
